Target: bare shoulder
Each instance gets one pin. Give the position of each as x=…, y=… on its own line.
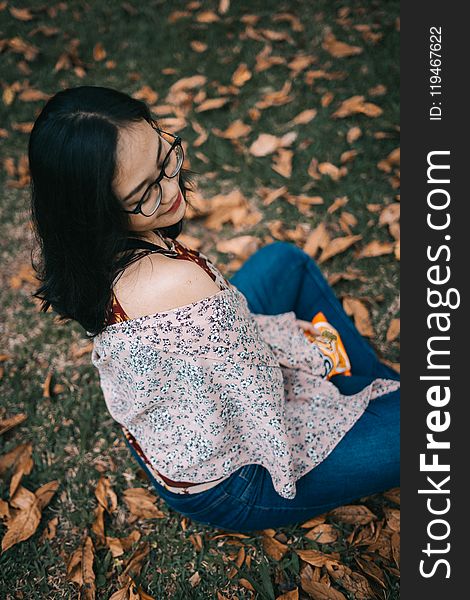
x=158, y=283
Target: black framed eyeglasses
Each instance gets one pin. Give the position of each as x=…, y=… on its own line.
x=172, y=163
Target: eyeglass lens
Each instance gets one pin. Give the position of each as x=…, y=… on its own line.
x=171, y=167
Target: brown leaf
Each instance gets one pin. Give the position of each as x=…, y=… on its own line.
x=314, y=557
x=207, y=16
x=273, y=548
x=347, y=156
x=195, y=579
x=397, y=250
x=327, y=168
x=23, y=464
x=358, y=310
x=327, y=99
x=337, y=203
x=354, y=514
x=45, y=493
x=319, y=238
x=246, y=584
x=313, y=522
x=376, y=248
x=395, y=543
x=392, y=516
x=304, y=117
x=339, y=49
x=106, y=495
x=323, y=534
x=338, y=245
x=292, y=595
x=80, y=568
x=186, y=83
x=24, y=522
x=377, y=90
x=147, y=94
x=99, y=53
x=353, y=134
x=346, y=221
x=211, y=104
x=390, y=214
x=198, y=46
x=141, y=503
x=300, y=62
x=355, y=105
x=264, y=144
x=32, y=95
x=320, y=591
x=372, y=570
x=393, y=330
x=7, y=424
x=276, y=98
x=242, y=246
x=353, y=582
x=393, y=495
x=241, y=75
x=118, y=546
x=22, y=14
x=282, y=162
x=236, y=130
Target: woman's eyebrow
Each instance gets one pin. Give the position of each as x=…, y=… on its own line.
x=141, y=185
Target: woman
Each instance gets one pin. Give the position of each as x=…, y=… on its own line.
x=221, y=398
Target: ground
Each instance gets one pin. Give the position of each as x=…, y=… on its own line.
x=338, y=165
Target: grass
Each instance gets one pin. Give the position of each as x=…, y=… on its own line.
x=74, y=439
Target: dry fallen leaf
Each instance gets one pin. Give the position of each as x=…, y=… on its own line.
x=314, y=557
x=304, y=117
x=7, y=424
x=354, y=514
x=292, y=595
x=242, y=246
x=282, y=162
x=338, y=245
x=241, y=75
x=339, y=49
x=23, y=522
x=393, y=330
x=337, y=203
x=353, y=582
x=274, y=549
x=354, y=133
x=318, y=239
x=80, y=568
x=236, y=130
x=376, y=248
x=355, y=105
x=323, y=534
x=358, y=310
x=211, y=104
x=141, y=503
x=320, y=591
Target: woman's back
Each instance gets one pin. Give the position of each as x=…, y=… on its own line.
x=157, y=282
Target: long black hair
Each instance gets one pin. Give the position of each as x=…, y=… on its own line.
x=77, y=220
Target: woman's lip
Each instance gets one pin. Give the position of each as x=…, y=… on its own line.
x=176, y=203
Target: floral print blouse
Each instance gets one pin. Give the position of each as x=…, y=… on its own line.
x=209, y=387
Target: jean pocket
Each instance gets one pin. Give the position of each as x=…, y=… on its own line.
x=244, y=481
x=198, y=503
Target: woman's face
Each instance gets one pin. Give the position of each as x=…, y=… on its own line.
x=137, y=167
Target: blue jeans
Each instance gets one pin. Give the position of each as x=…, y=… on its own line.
x=278, y=278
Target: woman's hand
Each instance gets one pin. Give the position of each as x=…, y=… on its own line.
x=307, y=326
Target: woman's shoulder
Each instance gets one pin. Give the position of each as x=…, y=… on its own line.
x=158, y=283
